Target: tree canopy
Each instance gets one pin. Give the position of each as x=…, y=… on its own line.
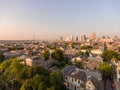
x=46, y=55
x=22, y=77
x=61, y=59
x=109, y=54
x=87, y=47
x=1, y=57
x=105, y=69
x=78, y=64
x=58, y=55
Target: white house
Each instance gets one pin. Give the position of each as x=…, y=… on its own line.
x=92, y=83
x=117, y=64
x=74, y=78
x=78, y=59
x=79, y=79
x=96, y=51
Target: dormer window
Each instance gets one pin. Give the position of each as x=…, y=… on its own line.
x=66, y=78
x=119, y=72
x=72, y=79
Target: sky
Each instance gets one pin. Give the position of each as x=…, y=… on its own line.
x=49, y=19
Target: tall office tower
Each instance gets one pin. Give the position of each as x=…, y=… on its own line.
x=61, y=38
x=82, y=38
x=92, y=36
x=76, y=39
x=69, y=38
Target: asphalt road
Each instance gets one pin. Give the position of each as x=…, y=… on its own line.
x=108, y=85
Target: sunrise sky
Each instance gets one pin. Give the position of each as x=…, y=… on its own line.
x=49, y=19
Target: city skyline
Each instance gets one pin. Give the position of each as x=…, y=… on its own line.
x=50, y=19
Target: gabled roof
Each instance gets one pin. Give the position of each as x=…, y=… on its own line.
x=68, y=69
x=92, y=73
x=77, y=74
x=95, y=82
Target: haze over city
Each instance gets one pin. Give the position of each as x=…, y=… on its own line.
x=59, y=44
x=49, y=19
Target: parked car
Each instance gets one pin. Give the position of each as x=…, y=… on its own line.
x=113, y=85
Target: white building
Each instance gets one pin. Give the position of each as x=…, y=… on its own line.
x=78, y=79
x=75, y=80
x=69, y=38
x=96, y=51
x=78, y=59
x=117, y=64
x=34, y=61
x=92, y=83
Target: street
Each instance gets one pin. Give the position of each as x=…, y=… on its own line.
x=108, y=85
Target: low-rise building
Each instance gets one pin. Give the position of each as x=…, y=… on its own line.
x=74, y=78
x=80, y=79
x=91, y=64
x=117, y=67
x=92, y=83
x=36, y=61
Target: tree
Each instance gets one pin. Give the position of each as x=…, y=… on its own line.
x=2, y=85
x=58, y=55
x=13, y=70
x=24, y=77
x=109, y=54
x=105, y=69
x=29, y=72
x=37, y=82
x=27, y=85
x=56, y=80
x=80, y=53
x=41, y=86
x=46, y=55
x=57, y=63
x=60, y=59
x=51, y=88
x=78, y=64
x=4, y=65
x=87, y=47
x=1, y=57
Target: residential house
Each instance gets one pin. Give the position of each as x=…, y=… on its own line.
x=80, y=79
x=117, y=67
x=92, y=83
x=36, y=61
x=78, y=59
x=74, y=78
x=91, y=64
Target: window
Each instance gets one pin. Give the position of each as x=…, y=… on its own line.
x=68, y=84
x=75, y=87
x=66, y=78
x=119, y=72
